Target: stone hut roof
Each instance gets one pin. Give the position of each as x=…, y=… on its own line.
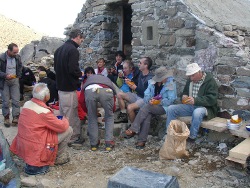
x=220, y=12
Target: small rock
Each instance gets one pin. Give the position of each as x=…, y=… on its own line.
x=204, y=150
x=29, y=181
x=46, y=183
x=197, y=154
x=193, y=162
x=222, y=147
x=158, y=163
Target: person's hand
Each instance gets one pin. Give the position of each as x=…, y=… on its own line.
x=130, y=84
x=151, y=101
x=188, y=100
x=120, y=74
x=10, y=76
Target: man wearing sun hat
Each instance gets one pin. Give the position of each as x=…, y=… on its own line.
x=199, y=99
x=162, y=86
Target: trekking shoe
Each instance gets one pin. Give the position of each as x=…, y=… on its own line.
x=62, y=159
x=35, y=170
x=95, y=147
x=109, y=145
x=6, y=121
x=15, y=120
x=121, y=118
x=78, y=142
x=140, y=145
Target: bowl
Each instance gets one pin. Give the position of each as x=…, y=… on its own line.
x=233, y=126
x=248, y=127
x=236, y=121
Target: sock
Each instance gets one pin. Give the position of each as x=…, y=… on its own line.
x=124, y=111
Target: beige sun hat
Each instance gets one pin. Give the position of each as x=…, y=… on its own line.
x=42, y=74
x=192, y=69
x=161, y=73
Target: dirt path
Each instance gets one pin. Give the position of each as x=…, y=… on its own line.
x=204, y=168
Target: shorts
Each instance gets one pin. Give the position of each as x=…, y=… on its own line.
x=133, y=98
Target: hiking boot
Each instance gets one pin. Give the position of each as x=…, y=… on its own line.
x=35, y=170
x=15, y=120
x=6, y=121
x=62, y=159
x=109, y=145
x=78, y=142
x=95, y=147
x=121, y=118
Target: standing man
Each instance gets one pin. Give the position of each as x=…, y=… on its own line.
x=199, y=99
x=68, y=73
x=135, y=99
x=10, y=72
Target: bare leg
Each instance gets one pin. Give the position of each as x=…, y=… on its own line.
x=131, y=111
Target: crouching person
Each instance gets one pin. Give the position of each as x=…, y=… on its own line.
x=42, y=138
x=100, y=89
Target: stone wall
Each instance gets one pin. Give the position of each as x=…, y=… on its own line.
x=177, y=37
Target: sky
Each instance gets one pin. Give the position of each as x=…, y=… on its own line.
x=47, y=16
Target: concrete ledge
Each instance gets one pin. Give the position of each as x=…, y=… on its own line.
x=130, y=177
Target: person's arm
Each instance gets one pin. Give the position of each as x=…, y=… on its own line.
x=73, y=65
x=148, y=94
x=210, y=97
x=55, y=124
x=170, y=93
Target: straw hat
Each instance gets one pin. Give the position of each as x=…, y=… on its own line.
x=162, y=73
x=42, y=74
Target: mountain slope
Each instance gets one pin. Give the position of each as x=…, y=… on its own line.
x=12, y=31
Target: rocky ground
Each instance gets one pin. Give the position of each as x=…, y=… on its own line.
x=205, y=166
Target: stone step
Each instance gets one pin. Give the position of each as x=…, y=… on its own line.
x=135, y=177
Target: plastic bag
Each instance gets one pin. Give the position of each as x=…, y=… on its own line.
x=174, y=146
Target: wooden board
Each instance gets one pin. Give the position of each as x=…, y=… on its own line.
x=241, y=151
x=217, y=124
x=235, y=162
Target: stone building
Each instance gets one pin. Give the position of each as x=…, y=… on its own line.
x=174, y=33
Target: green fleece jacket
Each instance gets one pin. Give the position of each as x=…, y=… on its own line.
x=207, y=95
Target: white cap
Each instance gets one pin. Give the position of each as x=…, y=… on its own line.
x=192, y=69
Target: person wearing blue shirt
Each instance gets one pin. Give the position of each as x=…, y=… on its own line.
x=127, y=72
x=160, y=93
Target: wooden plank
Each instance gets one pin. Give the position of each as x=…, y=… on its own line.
x=241, y=151
x=217, y=124
x=236, y=162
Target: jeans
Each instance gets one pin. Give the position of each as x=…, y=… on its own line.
x=11, y=91
x=142, y=120
x=180, y=110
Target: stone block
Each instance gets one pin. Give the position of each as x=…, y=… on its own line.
x=190, y=41
x=231, y=33
x=243, y=71
x=175, y=23
x=6, y=175
x=226, y=70
x=149, y=33
x=226, y=90
x=185, y=32
x=130, y=177
x=241, y=151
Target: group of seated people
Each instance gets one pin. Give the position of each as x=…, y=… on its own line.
x=140, y=94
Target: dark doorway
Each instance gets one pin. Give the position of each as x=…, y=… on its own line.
x=127, y=34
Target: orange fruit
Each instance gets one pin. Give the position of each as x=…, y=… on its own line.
x=156, y=102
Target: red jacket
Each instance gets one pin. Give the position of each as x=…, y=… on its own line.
x=36, y=141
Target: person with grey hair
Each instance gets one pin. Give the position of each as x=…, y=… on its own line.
x=199, y=99
x=10, y=72
x=42, y=137
x=67, y=70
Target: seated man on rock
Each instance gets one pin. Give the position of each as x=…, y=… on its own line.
x=42, y=138
x=199, y=99
x=135, y=98
x=161, y=93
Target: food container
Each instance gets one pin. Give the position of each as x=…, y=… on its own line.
x=156, y=102
x=248, y=127
x=233, y=126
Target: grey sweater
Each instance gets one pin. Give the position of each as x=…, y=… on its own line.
x=99, y=79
